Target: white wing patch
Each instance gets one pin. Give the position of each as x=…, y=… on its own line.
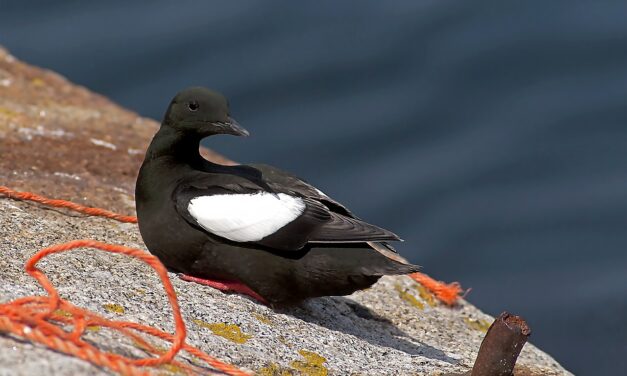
x=245, y=217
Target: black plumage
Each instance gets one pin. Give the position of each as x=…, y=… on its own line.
x=323, y=250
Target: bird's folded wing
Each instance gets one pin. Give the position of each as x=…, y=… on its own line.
x=280, y=180
x=275, y=220
x=319, y=225
x=342, y=229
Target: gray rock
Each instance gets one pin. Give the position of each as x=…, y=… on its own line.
x=393, y=328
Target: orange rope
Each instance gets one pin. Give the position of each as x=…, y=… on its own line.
x=33, y=317
x=66, y=204
x=447, y=293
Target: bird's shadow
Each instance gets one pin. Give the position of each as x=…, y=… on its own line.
x=349, y=317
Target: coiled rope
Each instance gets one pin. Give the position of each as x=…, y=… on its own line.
x=40, y=318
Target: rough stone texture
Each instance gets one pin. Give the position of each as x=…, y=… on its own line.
x=56, y=140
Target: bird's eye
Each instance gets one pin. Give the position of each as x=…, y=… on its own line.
x=193, y=106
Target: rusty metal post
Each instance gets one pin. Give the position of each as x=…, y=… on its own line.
x=501, y=346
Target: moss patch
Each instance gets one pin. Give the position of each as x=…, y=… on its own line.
x=38, y=82
x=8, y=113
x=477, y=324
x=312, y=366
x=232, y=332
x=61, y=312
x=426, y=295
x=172, y=369
x=113, y=308
x=262, y=319
x=274, y=369
x=409, y=298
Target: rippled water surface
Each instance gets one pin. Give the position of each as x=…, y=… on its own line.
x=490, y=135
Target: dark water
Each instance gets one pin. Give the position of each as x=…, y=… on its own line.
x=491, y=135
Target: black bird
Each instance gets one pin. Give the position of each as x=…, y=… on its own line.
x=249, y=228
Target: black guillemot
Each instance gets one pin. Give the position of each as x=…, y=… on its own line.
x=249, y=228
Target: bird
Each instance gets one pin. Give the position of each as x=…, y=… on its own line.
x=251, y=229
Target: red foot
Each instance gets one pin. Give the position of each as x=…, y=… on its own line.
x=226, y=286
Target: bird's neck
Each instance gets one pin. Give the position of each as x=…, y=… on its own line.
x=177, y=146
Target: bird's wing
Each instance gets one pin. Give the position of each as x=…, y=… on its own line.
x=281, y=180
x=318, y=224
x=240, y=211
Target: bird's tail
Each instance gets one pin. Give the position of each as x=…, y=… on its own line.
x=394, y=263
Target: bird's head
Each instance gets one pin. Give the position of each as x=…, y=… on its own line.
x=201, y=112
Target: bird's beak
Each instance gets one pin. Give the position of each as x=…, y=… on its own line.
x=231, y=127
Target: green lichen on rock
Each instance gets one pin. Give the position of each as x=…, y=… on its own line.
x=262, y=318
x=477, y=324
x=62, y=312
x=408, y=297
x=273, y=369
x=114, y=308
x=312, y=365
x=426, y=295
x=173, y=369
x=232, y=332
